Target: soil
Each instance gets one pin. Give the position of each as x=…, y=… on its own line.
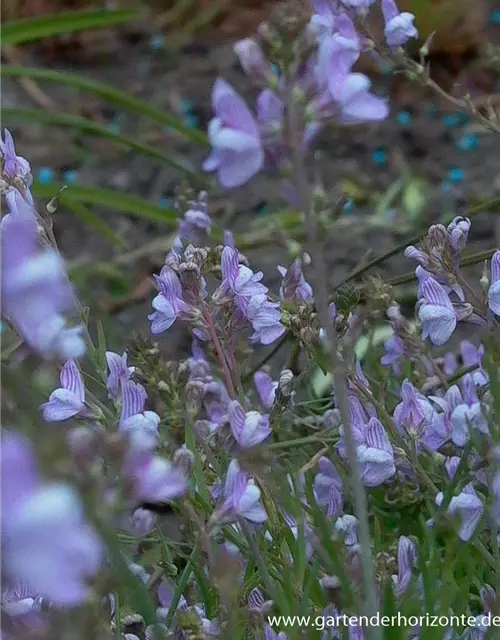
x=423, y=138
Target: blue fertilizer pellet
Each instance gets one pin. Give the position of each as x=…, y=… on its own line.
x=191, y=121
x=468, y=142
x=157, y=42
x=348, y=206
x=456, y=175
x=446, y=186
x=495, y=17
x=403, y=118
x=70, y=177
x=379, y=157
x=164, y=202
x=45, y=175
x=451, y=120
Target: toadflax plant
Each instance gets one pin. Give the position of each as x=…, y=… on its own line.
x=220, y=495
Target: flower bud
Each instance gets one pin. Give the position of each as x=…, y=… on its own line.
x=285, y=384
x=253, y=60
x=331, y=418
x=184, y=458
x=195, y=392
x=82, y=443
x=142, y=521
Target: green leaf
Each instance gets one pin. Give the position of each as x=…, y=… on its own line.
x=118, y=202
x=414, y=198
x=92, y=220
x=28, y=29
x=110, y=93
x=21, y=116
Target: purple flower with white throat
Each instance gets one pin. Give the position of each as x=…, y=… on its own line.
x=395, y=351
x=195, y=226
x=69, y=400
x=266, y=388
x=399, y=27
x=467, y=506
x=439, y=431
x=494, y=290
x=249, y=429
x=415, y=413
x=338, y=53
x=155, y=479
x=241, y=498
x=237, y=153
x=256, y=602
x=36, y=292
x=134, y=420
x=15, y=169
x=407, y=558
x=294, y=285
x=169, y=304
x=436, y=313
x=21, y=604
x=265, y=317
x=119, y=373
x=328, y=488
x=469, y=413
x=375, y=455
x=46, y=541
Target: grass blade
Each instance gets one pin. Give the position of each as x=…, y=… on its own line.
x=113, y=95
x=118, y=202
x=28, y=29
x=92, y=220
x=77, y=123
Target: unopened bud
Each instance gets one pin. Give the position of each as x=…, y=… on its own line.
x=330, y=582
x=53, y=204
x=285, y=384
x=332, y=418
x=195, y=392
x=142, y=521
x=82, y=444
x=484, y=282
x=184, y=458
x=202, y=428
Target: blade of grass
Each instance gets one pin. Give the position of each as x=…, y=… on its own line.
x=92, y=220
x=29, y=29
x=80, y=124
x=110, y=93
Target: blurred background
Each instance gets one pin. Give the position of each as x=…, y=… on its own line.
x=112, y=99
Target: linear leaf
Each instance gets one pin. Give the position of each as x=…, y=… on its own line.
x=22, y=115
x=109, y=93
x=118, y=202
x=23, y=30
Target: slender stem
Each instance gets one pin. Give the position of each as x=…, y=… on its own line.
x=315, y=249
x=220, y=353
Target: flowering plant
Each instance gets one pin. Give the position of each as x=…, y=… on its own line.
x=379, y=496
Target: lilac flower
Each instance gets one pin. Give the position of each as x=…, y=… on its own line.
x=407, y=558
x=375, y=455
x=256, y=602
x=119, y=373
x=328, y=487
x=195, y=225
x=249, y=429
x=15, y=168
x=360, y=5
x=270, y=634
x=69, y=400
x=241, y=498
x=399, y=27
x=142, y=522
x=468, y=413
x=415, y=413
x=472, y=355
x=467, y=505
x=265, y=317
x=395, y=350
x=439, y=430
x=294, y=285
x=168, y=305
x=133, y=419
x=324, y=17
x=36, y=291
x=46, y=541
x=253, y=61
x=266, y=388
x=436, y=314
x=494, y=290
x=347, y=526
x=21, y=604
x=237, y=153
x=155, y=479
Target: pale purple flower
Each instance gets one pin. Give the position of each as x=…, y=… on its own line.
x=36, y=292
x=266, y=388
x=21, y=604
x=328, y=487
x=472, y=355
x=436, y=313
x=494, y=290
x=270, y=634
x=395, y=350
x=415, y=413
x=495, y=507
x=294, y=285
x=265, y=317
x=15, y=168
x=337, y=54
x=119, y=373
x=196, y=223
x=469, y=413
x=458, y=232
x=399, y=27
x=249, y=429
x=142, y=522
x=241, y=498
x=467, y=506
x=256, y=602
x=439, y=430
x=407, y=558
x=253, y=61
x=357, y=104
x=359, y=5
x=169, y=304
x=237, y=153
x=228, y=238
x=347, y=526
x=155, y=479
x=69, y=400
x=375, y=455
x=46, y=541
x=134, y=420
x=324, y=17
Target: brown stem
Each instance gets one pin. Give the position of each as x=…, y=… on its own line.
x=220, y=353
